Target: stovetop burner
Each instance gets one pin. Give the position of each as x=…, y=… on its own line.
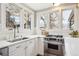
x=61, y=36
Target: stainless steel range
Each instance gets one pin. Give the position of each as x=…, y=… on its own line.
x=53, y=45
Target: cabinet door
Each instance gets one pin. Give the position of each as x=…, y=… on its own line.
x=17, y=50
x=27, y=51
x=36, y=46
x=67, y=47
x=30, y=48
x=41, y=46
x=20, y=51
x=75, y=47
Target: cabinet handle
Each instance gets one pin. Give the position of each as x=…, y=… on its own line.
x=18, y=46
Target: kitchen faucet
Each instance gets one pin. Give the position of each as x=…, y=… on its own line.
x=14, y=33
x=15, y=27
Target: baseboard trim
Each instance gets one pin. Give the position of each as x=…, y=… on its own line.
x=39, y=55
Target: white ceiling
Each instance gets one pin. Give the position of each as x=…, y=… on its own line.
x=39, y=6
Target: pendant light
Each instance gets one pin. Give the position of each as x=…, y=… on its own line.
x=56, y=4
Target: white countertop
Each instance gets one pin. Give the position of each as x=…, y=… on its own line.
x=6, y=43
x=69, y=37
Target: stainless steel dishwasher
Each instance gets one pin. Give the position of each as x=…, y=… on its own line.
x=4, y=51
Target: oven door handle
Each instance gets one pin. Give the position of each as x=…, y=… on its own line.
x=53, y=43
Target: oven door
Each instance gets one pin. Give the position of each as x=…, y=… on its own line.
x=55, y=49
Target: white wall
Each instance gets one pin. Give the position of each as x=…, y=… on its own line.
x=5, y=33
x=78, y=18
x=59, y=30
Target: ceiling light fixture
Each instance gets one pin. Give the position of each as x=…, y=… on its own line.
x=56, y=4
x=77, y=5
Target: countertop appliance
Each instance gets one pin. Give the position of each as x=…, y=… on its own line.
x=53, y=45
x=4, y=51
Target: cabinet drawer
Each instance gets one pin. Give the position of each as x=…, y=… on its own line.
x=11, y=49
x=14, y=47
x=29, y=42
x=12, y=53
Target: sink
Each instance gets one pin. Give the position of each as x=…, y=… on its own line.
x=15, y=40
x=19, y=39
x=24, y=38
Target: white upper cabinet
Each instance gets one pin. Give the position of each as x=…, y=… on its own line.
x=68, y=19
x=27, y=20
x=0, y=16
x=0, y=13
x=12, y=16
x=58, y=19
x=15, y=19
x=54, y=20
x=42, y=22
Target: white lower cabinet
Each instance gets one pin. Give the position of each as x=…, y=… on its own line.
x=67, y=47
x=26, y=48
x=75, y=47
x=41, y=46
x=71, y=46
x=31, y=47
x=17, y=50
x=36, y=46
